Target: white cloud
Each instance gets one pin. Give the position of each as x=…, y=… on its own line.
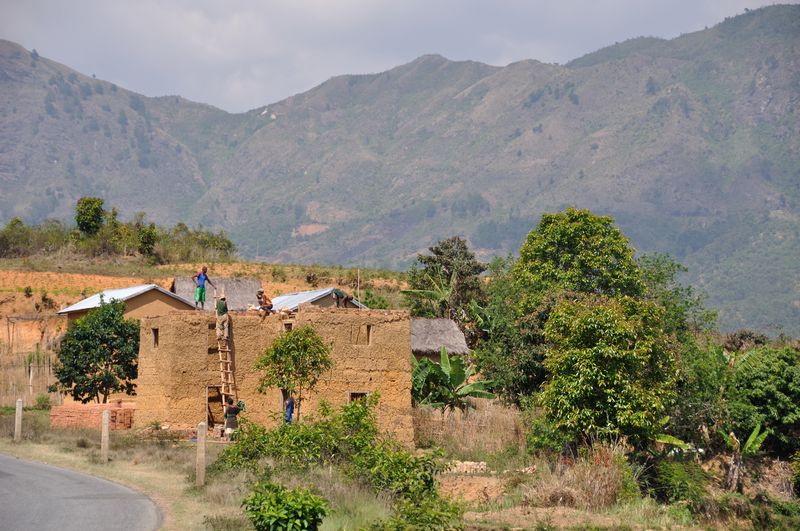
x=240, y=54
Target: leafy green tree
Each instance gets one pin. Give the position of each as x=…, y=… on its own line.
x=576, y=250
x=684, y=312
x=765, y=391
x=147, y=236
x=511, y=353
x=570, y=251
x=612, y=369
x=445, y=385
x=294, y=362
x=443, y=283
x=98, y=355
x=89, y=215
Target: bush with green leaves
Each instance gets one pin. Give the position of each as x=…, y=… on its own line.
x=271, y=507
x=612, y=369
x=349, y=438
x=796, y=472
x=677, y=480
x=765, y=391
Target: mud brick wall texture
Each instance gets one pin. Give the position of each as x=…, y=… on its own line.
x=73, y=415
x=179, y=367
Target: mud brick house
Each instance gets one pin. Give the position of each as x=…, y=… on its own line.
x=179, y=378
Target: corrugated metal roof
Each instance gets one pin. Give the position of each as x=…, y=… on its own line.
x=120, y=294
x=291, y=301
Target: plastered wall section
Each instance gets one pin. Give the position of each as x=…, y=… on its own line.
x=147, y=304
x=371, y=350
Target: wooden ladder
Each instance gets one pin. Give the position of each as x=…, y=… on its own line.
x=228, y=388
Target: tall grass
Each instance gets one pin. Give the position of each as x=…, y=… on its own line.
x=485, y=432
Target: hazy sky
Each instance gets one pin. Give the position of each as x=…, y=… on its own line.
x=241, y=54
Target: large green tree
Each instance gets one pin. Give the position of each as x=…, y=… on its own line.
x=294, y=362
x=99, y=354
x=573, y=251
x=611, y=368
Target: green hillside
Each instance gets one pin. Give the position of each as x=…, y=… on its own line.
x=691, y=144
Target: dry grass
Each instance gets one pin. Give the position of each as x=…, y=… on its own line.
x=489, y=428
x=600, y=479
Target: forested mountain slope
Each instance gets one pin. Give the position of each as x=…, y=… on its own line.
x=691, y=144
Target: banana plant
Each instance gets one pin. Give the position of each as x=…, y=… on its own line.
x=445, y=385
x=738, y=452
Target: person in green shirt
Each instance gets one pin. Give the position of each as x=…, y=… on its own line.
x=223, y=320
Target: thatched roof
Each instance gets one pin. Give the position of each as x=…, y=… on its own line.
x=428, y=336
x=239, y=292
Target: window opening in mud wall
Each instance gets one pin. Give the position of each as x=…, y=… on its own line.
x=155, y=337
x=358, y=395
x=287, y=325
x=361, y=335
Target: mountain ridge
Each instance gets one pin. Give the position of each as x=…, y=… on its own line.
x=690, y=143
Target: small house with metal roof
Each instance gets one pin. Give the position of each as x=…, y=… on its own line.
x=324, y=298
x=147, y=300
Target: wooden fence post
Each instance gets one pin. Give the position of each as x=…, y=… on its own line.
x=18, y=422
x=200, y=466
x=104, y=436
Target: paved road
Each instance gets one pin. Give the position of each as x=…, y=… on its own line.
x=34, y=496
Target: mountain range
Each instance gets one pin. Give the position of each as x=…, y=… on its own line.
x=691, y=144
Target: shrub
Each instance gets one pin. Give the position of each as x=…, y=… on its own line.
x=272, y=507
x=765, y=390
x=674, y=481
x=42, y=402
x=539, y=432
x=796, y=472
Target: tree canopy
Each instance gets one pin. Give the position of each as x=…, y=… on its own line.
x=99, y=355
x=611, y=368
x=442, y=283
x=576, y=250
x=294, y=362
x=89, y=215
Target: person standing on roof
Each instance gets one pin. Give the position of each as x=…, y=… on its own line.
x=200, y=278
x=223, y=320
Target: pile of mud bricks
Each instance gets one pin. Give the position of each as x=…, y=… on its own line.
x=90, y=416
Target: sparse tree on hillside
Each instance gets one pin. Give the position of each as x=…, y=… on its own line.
x=89, y=215
x=99, y=355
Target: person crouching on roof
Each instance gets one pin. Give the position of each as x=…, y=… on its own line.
x=264, y=302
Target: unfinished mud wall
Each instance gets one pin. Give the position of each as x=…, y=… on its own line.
x=27, y=345
x=178, y=365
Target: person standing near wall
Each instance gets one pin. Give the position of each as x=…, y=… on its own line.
x=231, y=422
x=200, y=278
x=289, y=410
x=223, y=320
